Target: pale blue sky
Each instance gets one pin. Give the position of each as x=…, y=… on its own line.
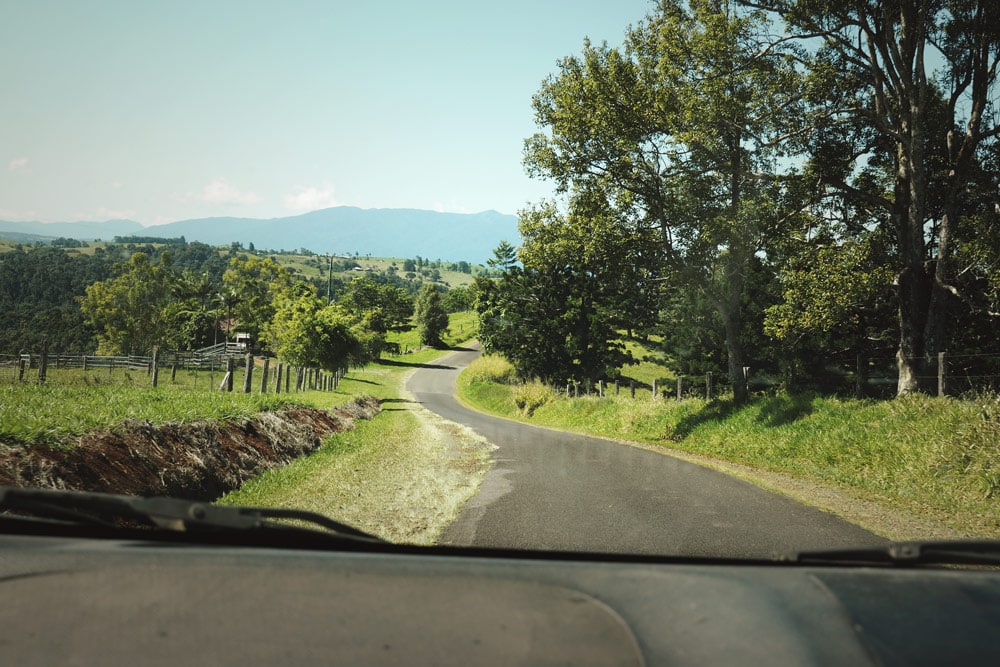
x=165, y=110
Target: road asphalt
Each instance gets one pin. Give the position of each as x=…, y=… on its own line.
x=555, y=490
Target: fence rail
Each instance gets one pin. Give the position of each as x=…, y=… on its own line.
x=950, y=374
x=213, y=368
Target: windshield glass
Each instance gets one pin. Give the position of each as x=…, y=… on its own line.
x=677, y=278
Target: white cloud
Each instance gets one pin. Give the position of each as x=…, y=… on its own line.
x=221, y=191
x=19, y=165
x=302, y=198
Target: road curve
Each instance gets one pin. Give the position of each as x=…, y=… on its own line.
x=554, y=490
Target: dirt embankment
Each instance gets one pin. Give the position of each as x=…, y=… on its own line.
x=199, y=461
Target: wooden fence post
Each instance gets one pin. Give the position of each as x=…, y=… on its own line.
x=43, y=361
x=618, y=387
x=84, y=363
x=680, y=388
x=746, y=379
x=263, y=376
x=277, y=383
x=173, y=371
x=859, y=377
x=656, y=390
x=248, y=374
x=942, y=375
x=230, y=369
x=600, y=388
x=708, y=385
x=631, y=387
x=155, y=366
x=20, y=369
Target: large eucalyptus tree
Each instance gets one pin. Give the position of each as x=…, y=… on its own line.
x=908, y=84
x=680, y=134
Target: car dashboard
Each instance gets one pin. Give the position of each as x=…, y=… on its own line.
x=74, y=600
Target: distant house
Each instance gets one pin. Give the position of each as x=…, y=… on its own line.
x=243, y=340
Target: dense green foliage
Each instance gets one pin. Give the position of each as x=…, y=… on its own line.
x=431, y=316
x=127, y=299
x=40, y=287
x=789, y=185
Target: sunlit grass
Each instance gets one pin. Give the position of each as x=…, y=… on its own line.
x=33, y=414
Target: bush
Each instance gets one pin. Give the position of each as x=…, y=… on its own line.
x=491, y=368
x=530, y=396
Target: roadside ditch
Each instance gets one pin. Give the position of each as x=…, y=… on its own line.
x=197, y=460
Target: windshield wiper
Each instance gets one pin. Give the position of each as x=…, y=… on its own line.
x=943, y=552
x=106, y=510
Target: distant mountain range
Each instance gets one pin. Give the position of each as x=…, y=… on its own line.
x=342, y=230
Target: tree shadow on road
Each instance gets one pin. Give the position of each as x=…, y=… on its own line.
x=386, y=401
x=410, y=364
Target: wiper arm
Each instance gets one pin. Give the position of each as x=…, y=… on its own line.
x=943, y=552
x=103, y=509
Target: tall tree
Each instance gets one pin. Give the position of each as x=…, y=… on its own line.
x=908, y=84
x=431, y=317
x=306, y=332
x=127, y=310
x=557, y=318
x=254, y=282
x=679, y=134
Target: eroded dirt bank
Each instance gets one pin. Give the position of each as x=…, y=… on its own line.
x=199, y=461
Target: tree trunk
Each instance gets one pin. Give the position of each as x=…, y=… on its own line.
x=732, y=318
x=914, y=285
x=734, y=350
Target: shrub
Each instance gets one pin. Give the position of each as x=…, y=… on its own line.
x=491, y=368
x=530, y=396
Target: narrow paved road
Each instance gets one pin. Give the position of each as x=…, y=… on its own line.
x=553, y=490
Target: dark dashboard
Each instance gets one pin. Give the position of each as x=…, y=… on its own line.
x=74, y=600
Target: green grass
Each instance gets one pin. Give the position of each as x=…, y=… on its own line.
x=937, y=458
x=46, y=414
x=651, y=366
x=376, y=477
x=74, y=401
x=461, y=327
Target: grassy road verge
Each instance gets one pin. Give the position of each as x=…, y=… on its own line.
x=402, y=476
x=907, y=468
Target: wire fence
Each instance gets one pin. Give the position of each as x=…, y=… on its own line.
x=946, y=374
x=228, y=367
x=220, y=368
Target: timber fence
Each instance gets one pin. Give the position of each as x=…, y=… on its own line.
x=216, y=368
x=946, y=374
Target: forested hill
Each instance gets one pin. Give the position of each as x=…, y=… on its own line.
x=342, y=230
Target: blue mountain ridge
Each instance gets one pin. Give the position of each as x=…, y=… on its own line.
x=341, y=230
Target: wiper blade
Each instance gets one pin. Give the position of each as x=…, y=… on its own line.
x=942, y=552
x=104, y=509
